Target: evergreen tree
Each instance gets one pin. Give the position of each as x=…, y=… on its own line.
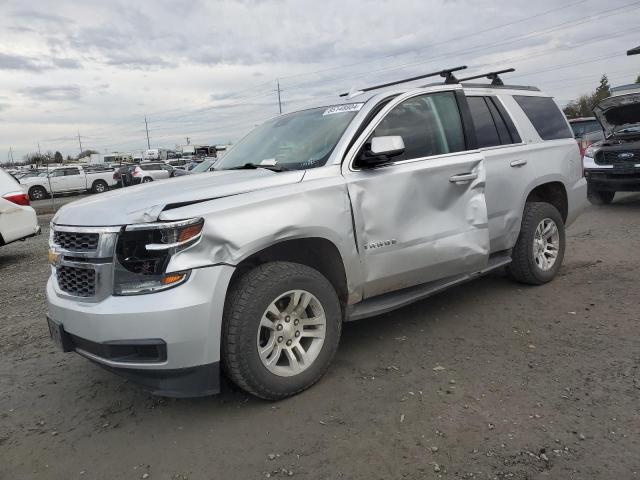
x=603, y=90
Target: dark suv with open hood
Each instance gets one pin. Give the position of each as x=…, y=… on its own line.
x=613, y=164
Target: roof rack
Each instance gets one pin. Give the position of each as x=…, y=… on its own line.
x=447, y=74
x=493, y=76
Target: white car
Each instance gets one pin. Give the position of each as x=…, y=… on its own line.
x=148, y=172
x=66, y=180
x=17, y=219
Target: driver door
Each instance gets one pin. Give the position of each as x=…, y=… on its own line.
x=423, y=216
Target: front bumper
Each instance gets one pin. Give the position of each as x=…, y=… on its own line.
x=186, y=320
x=611, y=180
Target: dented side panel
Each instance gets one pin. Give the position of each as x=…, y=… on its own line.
x=415, y=225
x=239, y=226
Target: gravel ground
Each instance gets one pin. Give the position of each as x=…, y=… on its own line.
x=488, y=380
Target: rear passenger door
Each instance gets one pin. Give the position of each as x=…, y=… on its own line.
x=423, y=216
x=508, y=169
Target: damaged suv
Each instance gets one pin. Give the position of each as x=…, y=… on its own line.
x=613, y=164
x=315, y=218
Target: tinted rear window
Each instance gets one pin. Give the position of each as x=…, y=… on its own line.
x=545, y=116
x=486, y=132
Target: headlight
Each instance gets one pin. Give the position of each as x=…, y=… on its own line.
x=143, y=253
x=590, y=152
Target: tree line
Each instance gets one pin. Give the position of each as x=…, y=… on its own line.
x=41, y=159
x=583, y=105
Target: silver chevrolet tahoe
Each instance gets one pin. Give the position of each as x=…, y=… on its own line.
x=315, y=218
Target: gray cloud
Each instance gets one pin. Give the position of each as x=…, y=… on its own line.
x=71, y=63
x=65, y=92
x=18, y=62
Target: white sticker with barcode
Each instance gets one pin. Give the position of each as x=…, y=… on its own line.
x=349, y=107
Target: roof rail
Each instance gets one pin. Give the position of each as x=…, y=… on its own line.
x=493, y=76
x=447, y=74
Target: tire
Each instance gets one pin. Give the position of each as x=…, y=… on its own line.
x=37, y=193
x=525, y=266
x=147, y=180
x=99, y=186
x=600, y=197
x=242, y=332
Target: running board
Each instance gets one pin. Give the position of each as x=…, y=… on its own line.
x=390, y=301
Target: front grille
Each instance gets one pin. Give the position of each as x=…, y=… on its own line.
x=76, y=241
x=79, y=282
x=613, y=157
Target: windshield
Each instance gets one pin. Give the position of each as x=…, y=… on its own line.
x=295, y=141
x=203, y=166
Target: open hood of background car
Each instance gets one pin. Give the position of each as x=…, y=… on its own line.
x=613, y=112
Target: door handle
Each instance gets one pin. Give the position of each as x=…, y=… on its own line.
x=463, y=177
x=518, y=163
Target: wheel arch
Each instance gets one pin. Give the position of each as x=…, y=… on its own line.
x=318, y=253
x=552, y=192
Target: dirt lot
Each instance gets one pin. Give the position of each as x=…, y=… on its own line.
x=488, y=380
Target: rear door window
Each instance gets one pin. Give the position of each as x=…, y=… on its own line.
x=545, y=116
x=71, y=171
x=492, y=123
x=486, y=130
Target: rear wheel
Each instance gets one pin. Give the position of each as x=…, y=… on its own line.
x=281, y=329
x=37, y=193
x=99, y=186
x=599, y=197
x=539, y=250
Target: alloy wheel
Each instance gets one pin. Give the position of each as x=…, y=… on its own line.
x=546, y=244
x=291, y=333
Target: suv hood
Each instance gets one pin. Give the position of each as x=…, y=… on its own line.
x=613, y=112
x=144, y=203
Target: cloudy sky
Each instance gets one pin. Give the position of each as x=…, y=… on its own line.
x=208, y=69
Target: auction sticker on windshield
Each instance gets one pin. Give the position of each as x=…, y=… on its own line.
x=350, y=107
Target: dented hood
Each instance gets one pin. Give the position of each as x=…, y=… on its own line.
x=614, y=112
x=144, y=203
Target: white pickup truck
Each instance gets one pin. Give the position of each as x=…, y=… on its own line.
x=67, y=179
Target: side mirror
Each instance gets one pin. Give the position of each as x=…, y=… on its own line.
x=381, y=150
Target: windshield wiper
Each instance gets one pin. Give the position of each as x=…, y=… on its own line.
x=253, y=166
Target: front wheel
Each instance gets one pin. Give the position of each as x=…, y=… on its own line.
x=599, y=197
x=147, y=180
x=281, y=329
x=539, y=250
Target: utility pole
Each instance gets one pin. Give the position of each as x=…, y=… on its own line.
x=279, y=99
x=146, y=126
x=79, y=141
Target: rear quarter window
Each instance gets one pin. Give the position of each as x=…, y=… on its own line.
x=545, y=116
